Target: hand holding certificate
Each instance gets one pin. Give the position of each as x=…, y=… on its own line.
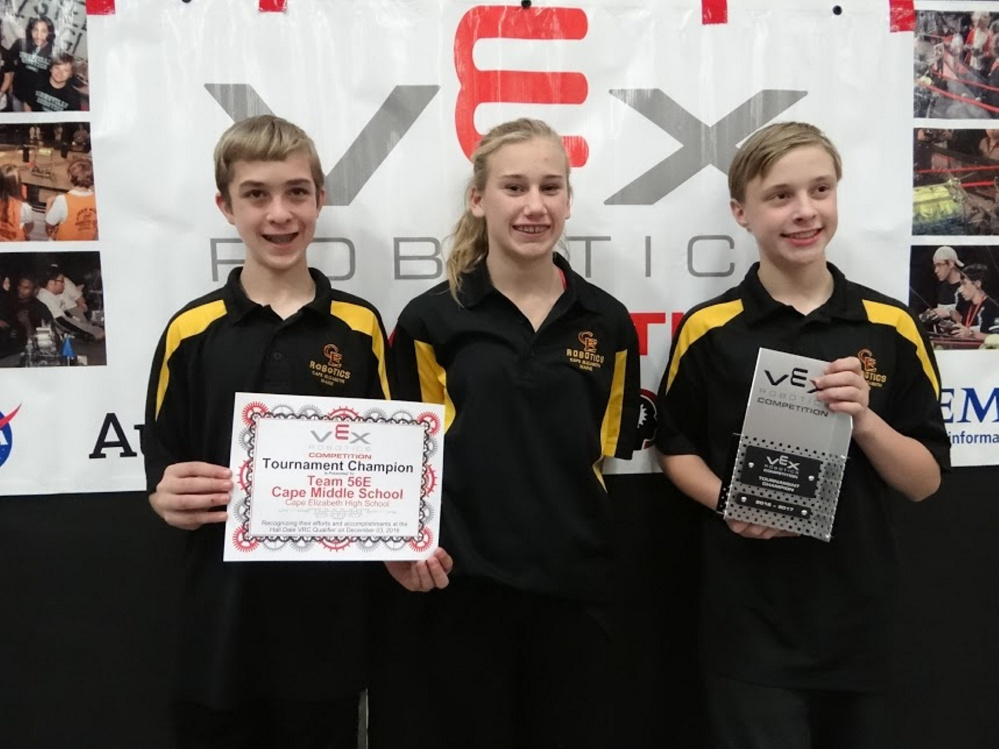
x=333, y=479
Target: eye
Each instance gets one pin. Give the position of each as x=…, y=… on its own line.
x=300, y=193
x=254, y=194
x=552, y=189
x=512, y=188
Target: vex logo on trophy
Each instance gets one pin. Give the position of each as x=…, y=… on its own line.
x=332, y=372
x=798, y=377
x=586, y=358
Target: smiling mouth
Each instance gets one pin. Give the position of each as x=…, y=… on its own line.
x=803, y=235
x=280, y=238
x=532, y=228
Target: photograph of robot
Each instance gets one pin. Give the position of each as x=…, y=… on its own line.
x=955, y=177
x=956, y=65
x=955, y=292
x=51, y=309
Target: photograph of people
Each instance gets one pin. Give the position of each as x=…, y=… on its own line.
x=72, y=215
x=955, y=72
x=947, y=268
x=32, y=56
x=979, y=317
x=538, y=372
x=55, y=92
x=16, y=217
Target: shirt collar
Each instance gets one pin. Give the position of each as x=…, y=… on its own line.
x=239, y=305
x=845, y=303
x=476, y=285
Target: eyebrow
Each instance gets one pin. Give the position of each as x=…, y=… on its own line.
x=521, y=176
x=290, y=183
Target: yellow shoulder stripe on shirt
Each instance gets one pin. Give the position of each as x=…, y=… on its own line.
x=185, y=325
x=610, y=430
x=696, y=326
x=887, y=314
x=433, y=381
x=363, y=320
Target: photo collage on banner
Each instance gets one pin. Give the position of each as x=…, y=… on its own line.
x=954, y=260
x=51, y=300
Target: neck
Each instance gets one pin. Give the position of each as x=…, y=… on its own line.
x=805, y=289
x=285, y=292
x=532, y=287
x=537, y=277
x=954, y=276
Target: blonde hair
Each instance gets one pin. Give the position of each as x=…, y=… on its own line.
x=263, y=138
x=81, y=173
x=469, y=239
x=767, y=146
x=10, y=183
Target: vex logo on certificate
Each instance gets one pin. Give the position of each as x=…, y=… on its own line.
x=792, y=450
x=333, y=479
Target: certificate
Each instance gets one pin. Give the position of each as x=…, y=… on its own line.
x=792, y=451
x=333, y=479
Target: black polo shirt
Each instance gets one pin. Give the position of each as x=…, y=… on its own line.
x=260, y=629
x=529, y=416
x=797, y=612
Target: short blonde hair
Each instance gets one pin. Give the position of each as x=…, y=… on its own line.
x=81, y=173
x=767, y=146
x=469, y=240
x=263, y=138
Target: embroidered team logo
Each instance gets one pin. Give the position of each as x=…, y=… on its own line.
x=869, y=364
x=586, y=357
x=332, y=372
x=332, y=354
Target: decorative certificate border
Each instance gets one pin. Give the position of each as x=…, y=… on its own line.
x=241, y=543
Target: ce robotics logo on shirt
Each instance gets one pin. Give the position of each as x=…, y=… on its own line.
x=6, y=435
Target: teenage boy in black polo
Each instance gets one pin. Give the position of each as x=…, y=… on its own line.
x=793, y=629
x=271, y=654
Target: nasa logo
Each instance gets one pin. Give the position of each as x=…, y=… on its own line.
x=6, y=435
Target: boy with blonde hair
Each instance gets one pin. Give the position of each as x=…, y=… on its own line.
x=271, y=654
x=793, y=630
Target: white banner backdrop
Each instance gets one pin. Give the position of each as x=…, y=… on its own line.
x=393, y=91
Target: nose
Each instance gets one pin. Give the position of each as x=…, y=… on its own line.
x=533, y=201
x=804, y=208
x=277, y=211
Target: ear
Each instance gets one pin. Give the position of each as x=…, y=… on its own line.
x=226, y=209
x=475, y=202
x=739, y=213
x=320, y=200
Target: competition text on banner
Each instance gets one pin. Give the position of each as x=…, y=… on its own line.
x=333, y=479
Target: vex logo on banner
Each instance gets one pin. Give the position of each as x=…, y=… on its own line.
x=6, y=434
x=703, y=145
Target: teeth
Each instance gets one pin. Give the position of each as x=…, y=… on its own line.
x=280, y=238
x=531, y=229
x=804, y=234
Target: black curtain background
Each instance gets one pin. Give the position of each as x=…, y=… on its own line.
x=89, y=583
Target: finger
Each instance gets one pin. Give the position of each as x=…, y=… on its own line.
x=446, y=562
x=424, y=580
x=195, y=485
x=198, y=468
x=170, y=502
x=193, y=520
x=438, y=577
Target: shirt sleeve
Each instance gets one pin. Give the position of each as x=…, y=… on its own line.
x=620, y=425
x=914, y=407
x=57, y=212
x=167, y=424
x=419, y=375
x=679, y=419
